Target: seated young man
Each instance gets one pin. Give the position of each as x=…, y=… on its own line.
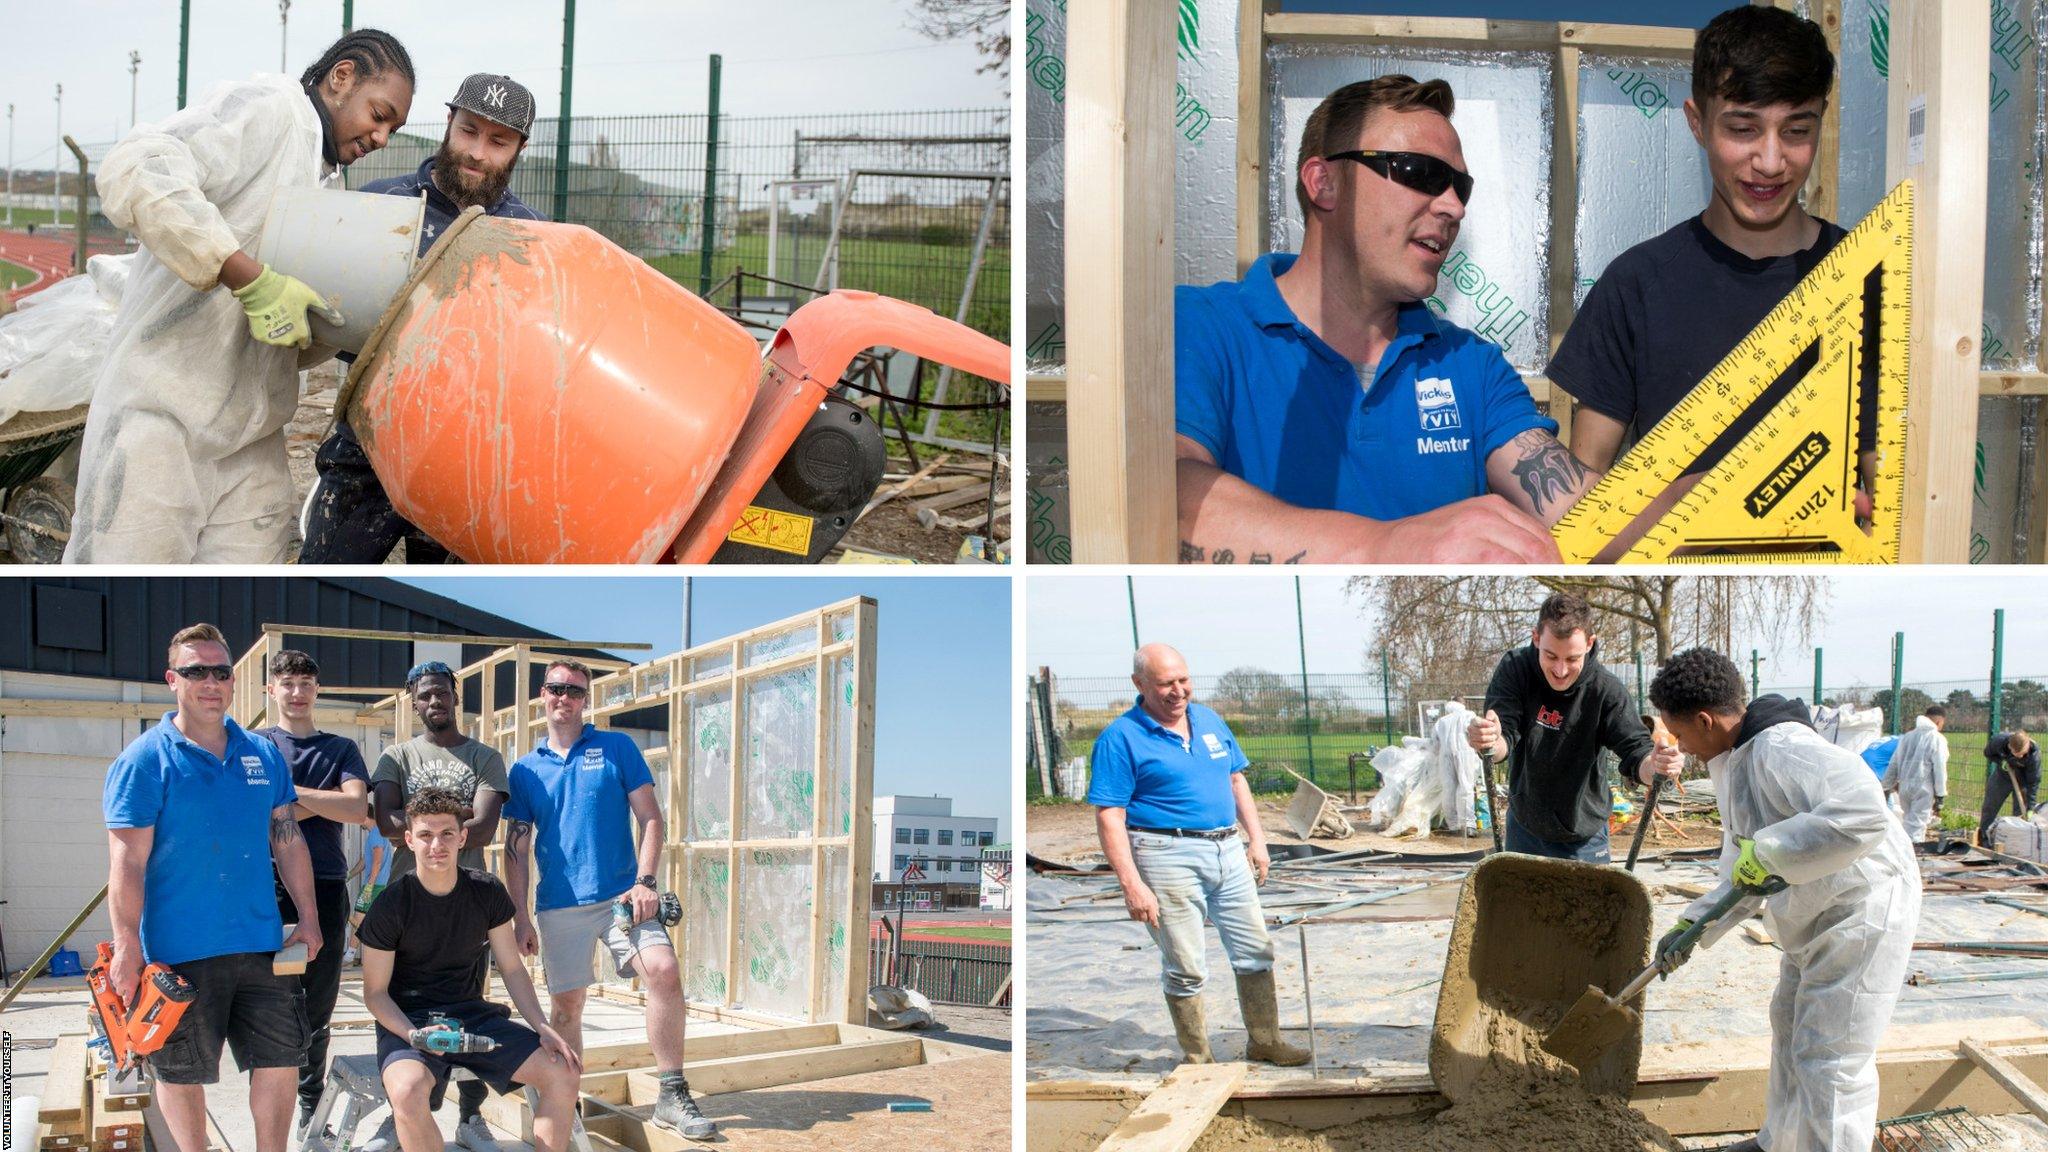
x=1666, y=311
x=425, y=942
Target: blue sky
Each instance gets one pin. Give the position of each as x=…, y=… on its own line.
x=943, y=701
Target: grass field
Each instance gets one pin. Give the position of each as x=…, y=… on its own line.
x=14, y=276
x=23, y=217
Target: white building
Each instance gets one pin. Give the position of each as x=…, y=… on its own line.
x=948, y=847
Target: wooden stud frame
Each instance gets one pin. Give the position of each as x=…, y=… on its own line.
x=1119, y=91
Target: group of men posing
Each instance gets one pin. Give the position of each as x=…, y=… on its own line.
x=183, y=459
x=1181, y=831
x=221, y=837
x=1325, y=413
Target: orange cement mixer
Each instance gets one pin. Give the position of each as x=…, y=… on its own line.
x=538, y=395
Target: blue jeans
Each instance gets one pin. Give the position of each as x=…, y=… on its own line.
x=1191, y=876
x=1520, y=839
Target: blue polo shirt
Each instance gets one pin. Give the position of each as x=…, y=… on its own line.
x=582, y=822
x=206, y=889
x=1280, y=409
x=1161, y=781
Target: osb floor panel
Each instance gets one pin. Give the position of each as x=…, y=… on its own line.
x=970, y=1099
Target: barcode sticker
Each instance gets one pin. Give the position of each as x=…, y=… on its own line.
x=1916, y=131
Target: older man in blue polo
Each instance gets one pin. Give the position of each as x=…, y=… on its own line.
x=1167, y=782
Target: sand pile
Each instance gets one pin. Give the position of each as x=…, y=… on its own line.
x=1525, y=1100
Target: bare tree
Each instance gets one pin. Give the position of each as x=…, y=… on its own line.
x=1451, y=630
x=986, y=22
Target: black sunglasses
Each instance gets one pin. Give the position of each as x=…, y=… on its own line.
x=1425, y=174
x=572, y=691
x=220, y=672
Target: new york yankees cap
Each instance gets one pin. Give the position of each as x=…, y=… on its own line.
x=497, y=98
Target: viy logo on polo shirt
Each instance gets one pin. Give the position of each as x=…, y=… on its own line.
x=252, y=771
x=1438, y=404
x=1216, y=749
x=593, y=759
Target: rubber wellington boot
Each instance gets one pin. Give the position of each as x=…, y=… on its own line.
x=1190, y=1026
x=1261, y=1008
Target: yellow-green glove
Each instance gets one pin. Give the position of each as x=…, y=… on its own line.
x=1669, y=954
x=1750, y=872
x=277, y=305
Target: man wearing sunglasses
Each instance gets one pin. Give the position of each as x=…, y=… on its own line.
x=1323, y=412
x=575, y=800
x=440, y=757
x=197, y=812
x=1666, y=311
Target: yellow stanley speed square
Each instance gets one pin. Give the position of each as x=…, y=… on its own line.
x=1824, y=378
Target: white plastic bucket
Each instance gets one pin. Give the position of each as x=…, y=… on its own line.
x=357, y=249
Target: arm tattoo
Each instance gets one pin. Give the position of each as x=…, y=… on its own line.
x=1296, y=558
x=1546, y=469
x=1223, y=556
x=1190, y=554
x=1261, y=558
x=283, y=829
x=516, y=834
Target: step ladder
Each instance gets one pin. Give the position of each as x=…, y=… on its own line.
x=355, y=1089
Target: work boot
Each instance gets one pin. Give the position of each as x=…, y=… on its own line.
x=1190, y=1027
x=1749, y=1145
x=676, y=1111
x=472, y=1133
x=1261, y=1008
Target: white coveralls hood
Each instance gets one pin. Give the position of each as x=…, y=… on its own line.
x=1845, y=925
x=183, y=458
x=1919, y=770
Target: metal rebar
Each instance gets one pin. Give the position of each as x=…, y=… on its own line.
x=1315, y=1062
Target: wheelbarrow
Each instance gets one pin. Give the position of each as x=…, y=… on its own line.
x=35, y=510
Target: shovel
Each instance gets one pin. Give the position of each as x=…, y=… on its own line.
x=1597, y=1020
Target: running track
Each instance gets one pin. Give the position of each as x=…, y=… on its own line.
x=48, y=254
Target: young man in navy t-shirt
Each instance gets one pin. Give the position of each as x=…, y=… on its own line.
x=575, y=800
x=334, y=790
x=1323, y=412
x=197, y=812
x=1167, y=782
x=1666, y=311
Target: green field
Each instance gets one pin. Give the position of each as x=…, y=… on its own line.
x=14, y=276
x=40, y=217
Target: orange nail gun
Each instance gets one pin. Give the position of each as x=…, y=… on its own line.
x=128, y=1034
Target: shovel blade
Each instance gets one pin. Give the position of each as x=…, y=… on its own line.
x=1593, y=1023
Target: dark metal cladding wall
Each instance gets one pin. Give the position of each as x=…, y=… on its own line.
x=116, y=627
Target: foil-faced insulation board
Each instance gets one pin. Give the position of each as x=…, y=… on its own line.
x=1496, y=279
x=1639, y=170
x=1205, y=173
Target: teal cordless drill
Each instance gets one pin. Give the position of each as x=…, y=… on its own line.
x=443, y=1036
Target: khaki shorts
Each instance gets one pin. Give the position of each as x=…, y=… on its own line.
x=569, y=938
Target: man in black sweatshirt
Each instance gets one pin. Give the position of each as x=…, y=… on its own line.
x=2010, y=757
x=1550, y=709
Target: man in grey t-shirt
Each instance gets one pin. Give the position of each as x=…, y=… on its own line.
x=440, y=757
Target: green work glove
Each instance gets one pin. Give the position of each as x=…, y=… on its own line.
x=277, y=305
x=1750, y=872
x=1669, y=955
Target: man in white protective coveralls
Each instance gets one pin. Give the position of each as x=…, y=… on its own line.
x=184, y=455
x=1796, y=807
x=1918, y=771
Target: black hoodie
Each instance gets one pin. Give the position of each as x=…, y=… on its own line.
x=1769, y=712
x=1556, y=789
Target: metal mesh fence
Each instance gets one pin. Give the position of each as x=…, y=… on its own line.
x=1352, y=715
x=914, y=205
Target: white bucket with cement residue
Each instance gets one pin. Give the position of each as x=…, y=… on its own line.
x=357, y=249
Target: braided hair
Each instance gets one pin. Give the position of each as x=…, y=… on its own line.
x=372, y=51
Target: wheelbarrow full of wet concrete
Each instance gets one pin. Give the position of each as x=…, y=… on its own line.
x=1530, y=934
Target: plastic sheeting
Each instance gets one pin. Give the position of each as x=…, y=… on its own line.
x=707, y=718
x=1848, y=727
x=1640, y=171
x=838, y=878
x=704, y=941
x=780, y=779
x=1399, y=768
x=840, y=731
x=775, y=932
x=1496, y=279
x=1205, y=174
x=52, y=346
x=1457, y=767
